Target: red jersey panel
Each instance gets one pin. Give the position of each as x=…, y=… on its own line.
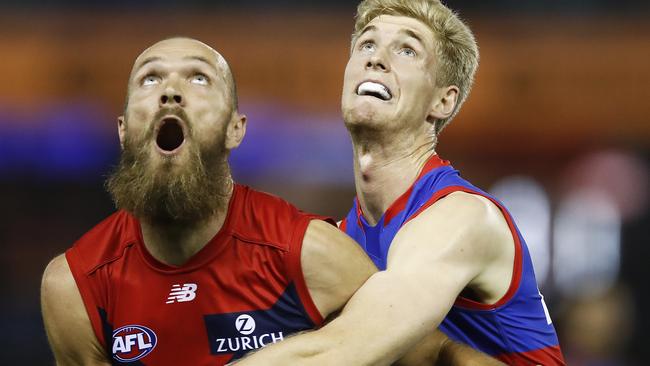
x=242, y=291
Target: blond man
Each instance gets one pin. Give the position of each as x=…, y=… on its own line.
x=451, y=255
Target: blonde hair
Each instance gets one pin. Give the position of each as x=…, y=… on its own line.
x=456, y=49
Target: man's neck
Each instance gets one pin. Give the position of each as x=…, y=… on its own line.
x=174, y=243
x=384, y=169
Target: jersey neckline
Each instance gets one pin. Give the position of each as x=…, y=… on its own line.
x=205, y=254
x=399, y=204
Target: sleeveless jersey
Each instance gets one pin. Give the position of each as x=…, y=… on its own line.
x=517, y=329
x=242, y=291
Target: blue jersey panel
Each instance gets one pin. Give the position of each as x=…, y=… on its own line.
x=517, y=324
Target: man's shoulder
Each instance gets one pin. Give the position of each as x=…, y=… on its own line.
x=105, y=241
x=265, y=205
x=471, y=209
x=467, y=223
x=57, y=274
x=264, y=217
x=57, y=281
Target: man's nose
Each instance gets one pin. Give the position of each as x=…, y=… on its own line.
x=377, y=62
x=171, y=97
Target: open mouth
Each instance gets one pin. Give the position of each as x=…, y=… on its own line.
x=170, y=134
x=373, y=89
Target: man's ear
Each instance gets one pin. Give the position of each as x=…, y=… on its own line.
x=444, y=104
x=121, y=129
x=235, y=131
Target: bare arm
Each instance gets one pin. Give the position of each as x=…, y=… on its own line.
x=431, y=260
x=437, y=349
x=66, y=322
x=334, y=266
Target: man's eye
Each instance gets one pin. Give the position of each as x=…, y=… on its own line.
x=408, y=52
x=199, y=79
x=150, y=80
x=368, y=47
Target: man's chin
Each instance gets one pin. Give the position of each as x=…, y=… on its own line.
x=364, y=116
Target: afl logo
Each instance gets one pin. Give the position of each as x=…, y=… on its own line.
x=132, y=342
x=245, y=324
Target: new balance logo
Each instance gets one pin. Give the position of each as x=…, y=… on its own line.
x=182, y=294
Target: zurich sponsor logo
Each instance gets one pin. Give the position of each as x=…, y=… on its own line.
x=247, y=339
x=240, y=332
x=245, y=324
x=132, y=342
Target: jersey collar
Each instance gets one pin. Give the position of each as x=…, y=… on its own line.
x=399, y=204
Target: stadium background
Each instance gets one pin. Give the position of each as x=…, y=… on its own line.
x=558, y=126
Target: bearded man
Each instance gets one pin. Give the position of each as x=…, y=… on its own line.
x=192, y=269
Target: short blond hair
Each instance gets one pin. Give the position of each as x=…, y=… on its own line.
x=456, y=48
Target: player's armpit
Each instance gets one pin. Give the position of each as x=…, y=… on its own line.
x=334, y=266
x=66, y=322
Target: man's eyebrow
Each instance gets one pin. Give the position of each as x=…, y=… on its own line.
x=412, y=34
x=203, y=60
x=367, y=29
x=148, y=60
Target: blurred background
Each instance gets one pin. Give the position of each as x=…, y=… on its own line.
x=557, y=126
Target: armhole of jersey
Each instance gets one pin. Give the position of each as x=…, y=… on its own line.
x=517, y=263
x=86, y=292
x=294, y=268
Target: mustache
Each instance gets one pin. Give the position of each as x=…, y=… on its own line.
x=165, y=112
x=174, y=111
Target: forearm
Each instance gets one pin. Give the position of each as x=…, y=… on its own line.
x=373, y=329
x=426, y=352
x=308, y=348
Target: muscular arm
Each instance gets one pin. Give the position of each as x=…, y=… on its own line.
x=66, y=322
x=334, y=266
x=431, y=260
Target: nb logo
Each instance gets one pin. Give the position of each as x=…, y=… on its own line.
x=245, y=324
x=182, y=294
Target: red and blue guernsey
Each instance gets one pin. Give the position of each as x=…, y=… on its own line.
x=242, y=291
x=517, y=329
